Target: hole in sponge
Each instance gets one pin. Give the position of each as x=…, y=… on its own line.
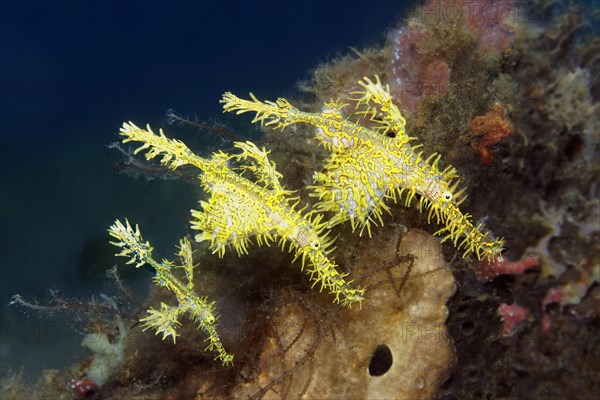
x=381, y=360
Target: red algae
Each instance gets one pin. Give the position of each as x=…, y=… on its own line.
x=488, y=271
x=415, y=74
x=512, y=316
x=493, y=126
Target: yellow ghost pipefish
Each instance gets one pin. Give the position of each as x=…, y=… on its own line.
x=368, y=166
x=166, y=320
x=239, y=208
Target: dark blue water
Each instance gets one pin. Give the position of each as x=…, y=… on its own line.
x=72, y=72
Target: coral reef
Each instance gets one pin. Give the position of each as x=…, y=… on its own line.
x=510, y=98
x=540, y=189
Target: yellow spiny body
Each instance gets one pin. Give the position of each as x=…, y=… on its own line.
x=368, y=167
x=239, y=209
x=166, y=320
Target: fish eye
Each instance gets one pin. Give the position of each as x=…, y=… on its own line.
x=448, y=196
x=315, y=245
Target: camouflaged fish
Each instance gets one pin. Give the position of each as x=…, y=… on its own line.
x=240, y=209
x=166, y=319
x=369, y=166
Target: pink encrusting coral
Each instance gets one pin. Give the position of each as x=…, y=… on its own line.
x=547, y=323
x=419, y=68
x=554, y=295
x=512, y=315
x=488, y=271
x=415, y=74
x=492, y=21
